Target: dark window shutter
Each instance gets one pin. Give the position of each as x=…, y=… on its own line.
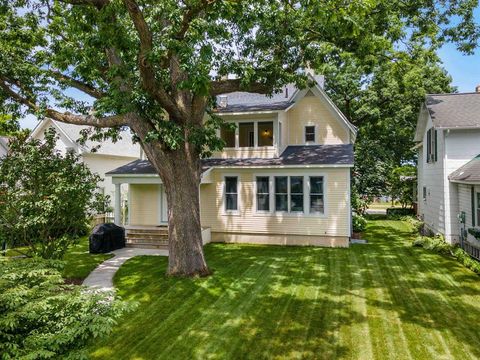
x=473, y=205
x=435, y=144
x=429, y=144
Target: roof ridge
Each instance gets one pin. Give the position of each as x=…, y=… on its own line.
x=449, y=94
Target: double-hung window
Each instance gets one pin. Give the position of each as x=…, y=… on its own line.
x=431, y=145
x=281, y=193
x=478, y=209
x=309, y=134
x=296, y=193
x=231, y=193
x=317, y=204
x=263, y=193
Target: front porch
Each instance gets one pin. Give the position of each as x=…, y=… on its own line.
x=154, y=237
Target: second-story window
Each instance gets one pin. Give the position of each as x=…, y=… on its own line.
x=309, y=134
x=431, y=145
x=227, y=134
x=265, y=133
x=246, y=134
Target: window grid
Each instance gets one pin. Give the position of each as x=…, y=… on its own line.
x=263, y=193
x=317, y=203
x=309, y=133
x=231, y=193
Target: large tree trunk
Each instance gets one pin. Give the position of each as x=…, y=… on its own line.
x=180, y=171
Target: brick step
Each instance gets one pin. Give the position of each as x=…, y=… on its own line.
x=148, y=245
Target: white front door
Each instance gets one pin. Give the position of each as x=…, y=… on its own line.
x=163, y=206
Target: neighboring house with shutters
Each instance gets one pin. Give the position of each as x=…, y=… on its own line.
x=100, y=157
x=448, y=144
x=283, y=177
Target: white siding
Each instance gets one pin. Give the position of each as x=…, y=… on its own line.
x=433, y=209
x=460, y=147
x=465, y=204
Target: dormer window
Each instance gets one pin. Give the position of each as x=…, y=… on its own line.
x=309, y=134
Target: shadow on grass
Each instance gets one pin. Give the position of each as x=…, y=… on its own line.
x=270, y=301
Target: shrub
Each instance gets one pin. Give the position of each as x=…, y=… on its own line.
x=45, y=197
x=438, y=244
x=359, y=223
x=396, y=213
x=44, y=318
x=416, y=225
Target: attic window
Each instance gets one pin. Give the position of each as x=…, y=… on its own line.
x=309, y=134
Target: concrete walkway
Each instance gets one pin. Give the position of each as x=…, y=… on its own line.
x=102, y=277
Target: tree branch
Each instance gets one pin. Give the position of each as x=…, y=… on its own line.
x=99, y=4
x=89, y=120
x=230, y=85
x=68, y=80
x=146, y=71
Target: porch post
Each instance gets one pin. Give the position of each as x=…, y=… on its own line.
x=118, y=204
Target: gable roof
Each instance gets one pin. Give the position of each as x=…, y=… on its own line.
x=241, y=102
x=449, y=111
x=123, y=147
x=470, y=172
x=302, y=155
x=454, y=110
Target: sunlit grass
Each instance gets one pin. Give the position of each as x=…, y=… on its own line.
x=382, y=300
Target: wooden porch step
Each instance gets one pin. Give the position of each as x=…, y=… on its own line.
x=147, y=239
x=147, y=236
x=148, y=245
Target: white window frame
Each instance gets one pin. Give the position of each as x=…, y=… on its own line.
x=314, y=134
x=310, y=194
x=306, y=194
x=224, y=195
x=255, y=191
x=255, y=134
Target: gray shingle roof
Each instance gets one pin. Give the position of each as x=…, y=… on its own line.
x=293, y=155
x=454, y=110
x=470, y=172
x=244, y=101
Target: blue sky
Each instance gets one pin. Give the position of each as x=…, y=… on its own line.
x=464, y=69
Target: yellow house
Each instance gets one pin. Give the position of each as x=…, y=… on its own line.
x=283, y=177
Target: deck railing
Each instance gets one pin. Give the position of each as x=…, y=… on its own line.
x=472, y=250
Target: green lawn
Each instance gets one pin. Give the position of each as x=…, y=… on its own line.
x=376, y=301
x=79, y=262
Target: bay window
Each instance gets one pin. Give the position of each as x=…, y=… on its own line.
x=316, y=194
x=281, y=193
x=263, y=193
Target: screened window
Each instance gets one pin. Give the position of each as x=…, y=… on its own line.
x=246, y=134
x=296, y=193
x=316, y=194
x=231, y=193
x=281, y=193
x=227, y=134
x=309, y=133
x=265, y=133
x=263, y=193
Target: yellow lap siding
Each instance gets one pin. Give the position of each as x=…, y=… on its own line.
x=312, y=111
x=144, y=204
x=335, y=222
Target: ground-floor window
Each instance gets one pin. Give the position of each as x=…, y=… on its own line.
x=231, y=193
x=290, y=194
x=478, y=208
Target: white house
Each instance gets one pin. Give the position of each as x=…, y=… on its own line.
x=448, y=143
x=99, y=159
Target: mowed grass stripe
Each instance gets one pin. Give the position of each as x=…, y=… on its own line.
x=376, y=301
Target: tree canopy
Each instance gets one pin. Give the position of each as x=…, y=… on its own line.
x=157, y=67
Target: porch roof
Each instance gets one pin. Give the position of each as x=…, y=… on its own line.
x=302, y=155
x=468, y=173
